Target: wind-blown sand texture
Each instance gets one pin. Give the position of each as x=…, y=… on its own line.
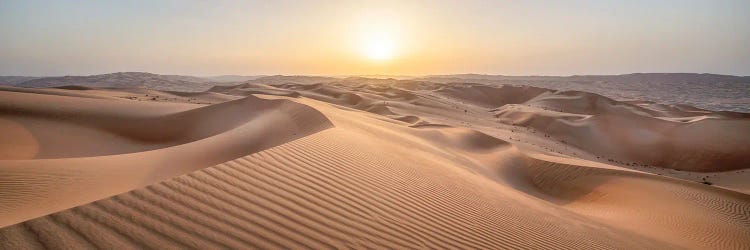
x=363, y=163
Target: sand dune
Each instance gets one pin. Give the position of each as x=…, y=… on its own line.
x=634, y=136
x=295, y=162
x=70, y=151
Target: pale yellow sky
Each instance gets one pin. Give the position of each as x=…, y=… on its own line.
x=374, y=37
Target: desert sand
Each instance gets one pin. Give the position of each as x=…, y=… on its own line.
x=296, y=162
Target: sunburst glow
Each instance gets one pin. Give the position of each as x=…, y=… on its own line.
x=379, y=47
x=378, y=36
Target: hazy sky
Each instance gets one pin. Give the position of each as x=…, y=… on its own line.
x=377, y=37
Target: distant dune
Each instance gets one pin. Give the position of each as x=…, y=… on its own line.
x=13, y=80
x=123, y=80
x=707, y=91
x=625, y=78
x=231, y=78
x=322, y=162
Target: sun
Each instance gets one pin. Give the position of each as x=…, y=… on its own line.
x=378, y=42
x=379, y=47
x=378, y=35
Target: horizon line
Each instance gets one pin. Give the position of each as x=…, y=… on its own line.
x=365, y=75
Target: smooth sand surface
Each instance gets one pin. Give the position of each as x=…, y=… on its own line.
x=365, y=163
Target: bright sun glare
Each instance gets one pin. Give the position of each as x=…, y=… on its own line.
x=379, y=47
x=378, y=37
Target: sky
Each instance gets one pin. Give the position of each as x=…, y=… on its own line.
x=49, y=38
